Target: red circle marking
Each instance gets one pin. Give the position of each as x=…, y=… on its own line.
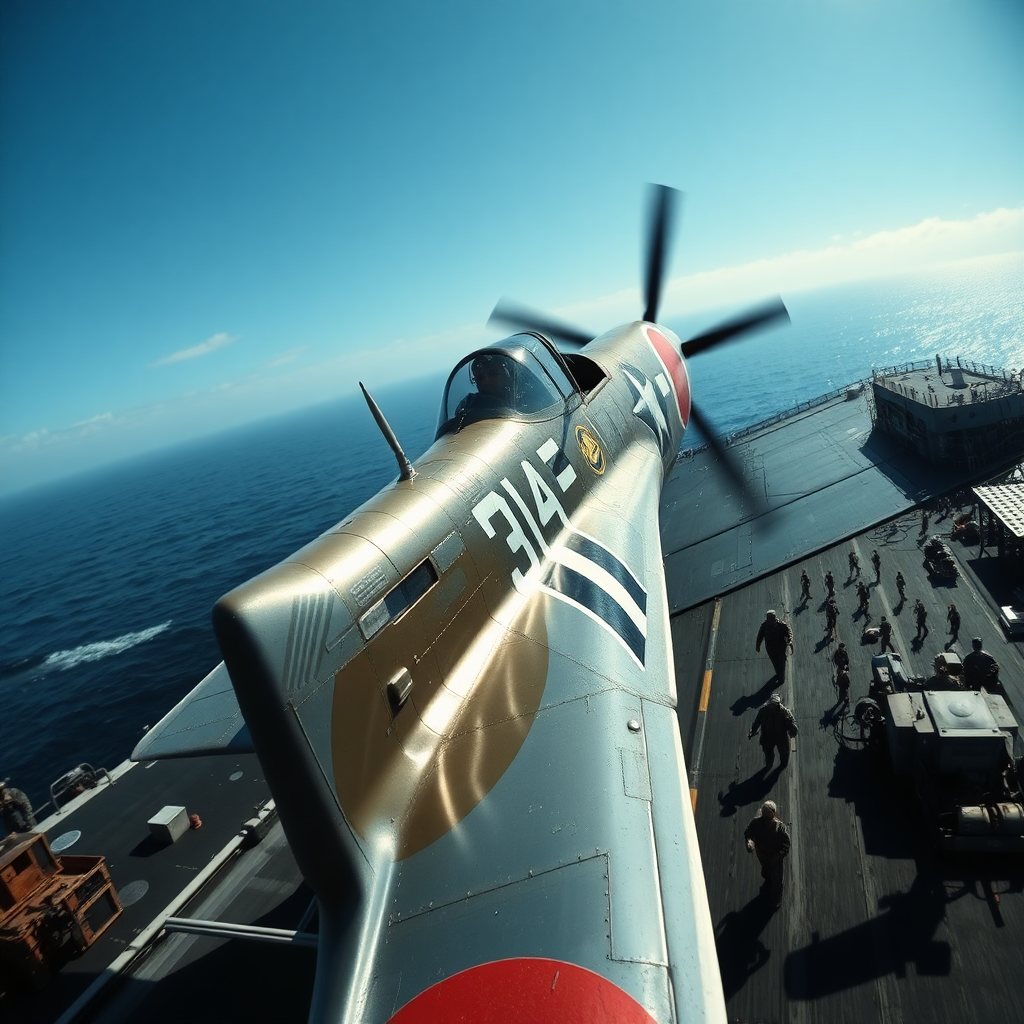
x=520, y=991
x=672, y=359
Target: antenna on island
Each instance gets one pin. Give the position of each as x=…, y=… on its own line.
x=405, y=470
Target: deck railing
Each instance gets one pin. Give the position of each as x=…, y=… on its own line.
x=810, y=403
x=997, y=383
x=1004, y=382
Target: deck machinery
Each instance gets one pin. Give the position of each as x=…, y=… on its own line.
x=52, y=908
x=956, y=749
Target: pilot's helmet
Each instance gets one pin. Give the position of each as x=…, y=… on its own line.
x=489, y=364
x=776, y=698
x=770, y=614
x=976, y=643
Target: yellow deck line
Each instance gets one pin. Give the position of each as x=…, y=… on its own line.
x=705, y=692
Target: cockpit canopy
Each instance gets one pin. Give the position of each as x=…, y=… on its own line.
x=520, y=378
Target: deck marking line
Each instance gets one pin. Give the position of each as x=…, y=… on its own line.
x=705, y=693
x=705, y=697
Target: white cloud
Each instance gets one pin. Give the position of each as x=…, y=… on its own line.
x=930, y=243
x=96, y=421
x=204, y=348
x=286, y=357
x=45, y=438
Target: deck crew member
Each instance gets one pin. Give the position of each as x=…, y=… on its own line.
x=876, y=563
x=17, y=810
x=777, y=638
x=843, y=686
x=768, y=837
x=854, y=565
x=953, y=618
x=980, y=668
x=776, y=724
x=901, y=585
x=805, y=585
x=831, y=615
x=921, y=616
x=830, y=584
x=841, y=659
x=885, y=632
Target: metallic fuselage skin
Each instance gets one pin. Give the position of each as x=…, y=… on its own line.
x=477, y=759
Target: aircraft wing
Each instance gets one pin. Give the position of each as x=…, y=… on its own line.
x=206, y=721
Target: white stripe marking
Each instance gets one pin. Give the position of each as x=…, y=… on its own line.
x=548, y=450
x=565, y=599
x=603, y=579
x=566, y=478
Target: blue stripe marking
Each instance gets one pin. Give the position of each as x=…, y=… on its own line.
x=611, y=564
x=587, y=593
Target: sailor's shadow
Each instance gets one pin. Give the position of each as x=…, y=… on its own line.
x=746, y=701
x=749, y=791
x=833, y=715
x=741, y=952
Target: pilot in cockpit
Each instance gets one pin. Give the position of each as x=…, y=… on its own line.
x=498, y=384
x=492, y=375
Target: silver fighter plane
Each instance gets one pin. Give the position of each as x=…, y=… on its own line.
x=463, y=699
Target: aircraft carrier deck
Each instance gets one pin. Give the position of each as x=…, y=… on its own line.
x=874, y=926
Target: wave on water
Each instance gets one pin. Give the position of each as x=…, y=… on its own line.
x=60, y=661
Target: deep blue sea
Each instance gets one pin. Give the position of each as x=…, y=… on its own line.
x=107, y=579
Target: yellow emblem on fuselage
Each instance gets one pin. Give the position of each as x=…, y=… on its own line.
x=591, y=449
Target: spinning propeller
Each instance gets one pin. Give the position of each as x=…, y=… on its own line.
x=659, y=233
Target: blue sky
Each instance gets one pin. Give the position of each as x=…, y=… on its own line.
x=215, y=211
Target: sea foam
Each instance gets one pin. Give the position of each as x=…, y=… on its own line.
x=60, y=661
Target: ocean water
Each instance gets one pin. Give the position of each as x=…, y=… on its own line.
x=107, y=580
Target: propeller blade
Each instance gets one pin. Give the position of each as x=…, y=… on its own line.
x=733, y=328
x=519, y=316
x=728, y=462
x=658, y=238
